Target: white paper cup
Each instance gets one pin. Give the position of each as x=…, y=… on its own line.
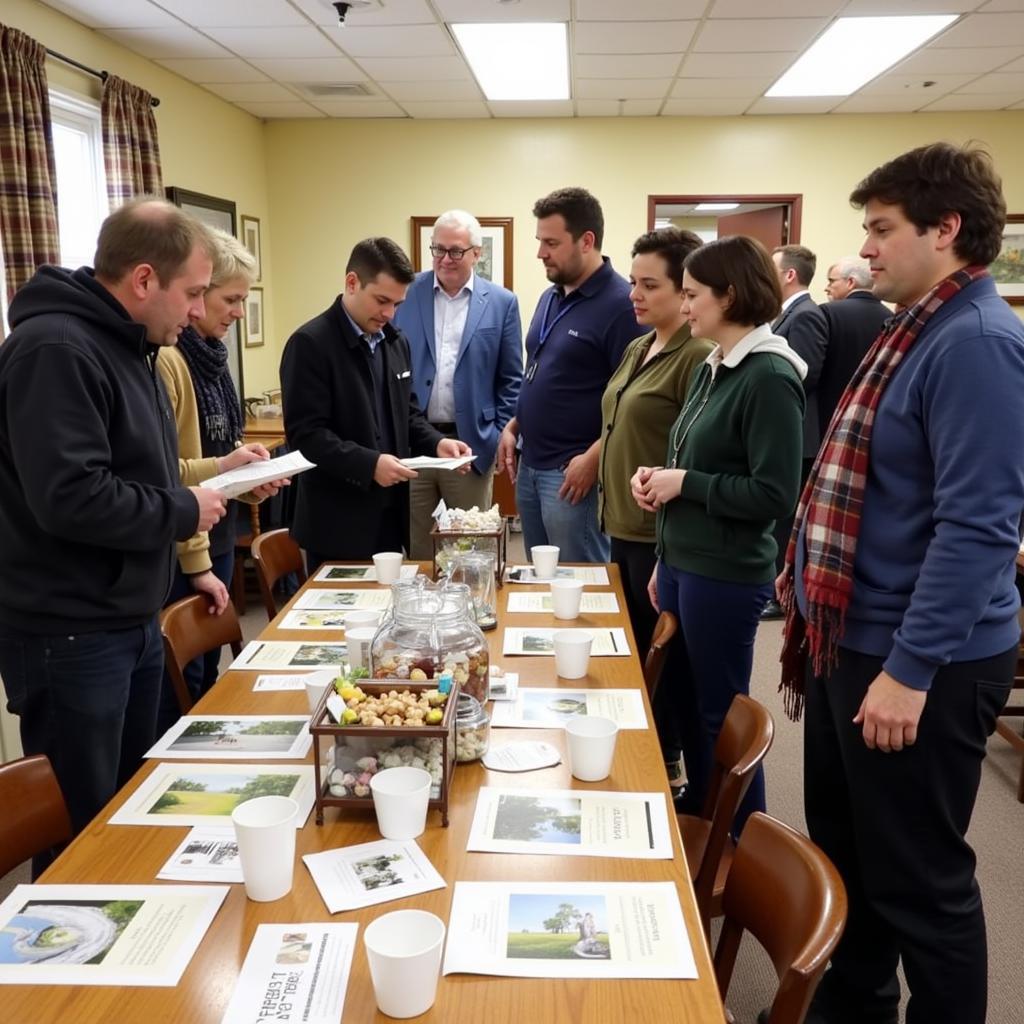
x=565, y=598
x=359, y=640
x=315, y=690
x=591, y=743
x=572, y=652
x=361, y=617
x=400, y=797
x=404, y=951
x=265, y=830
x=388, y=565
x=545, y=560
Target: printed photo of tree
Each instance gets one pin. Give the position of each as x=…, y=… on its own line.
x=557, y=928
x=538, y=819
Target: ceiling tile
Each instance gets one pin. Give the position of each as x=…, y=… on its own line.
x=114, y=14
x=881, y=7
x=203, y=13
x=230, y=69
x=360, y=108
x=984, y=30
x=787, y=9
x=633, y=65
x=421, y=90
x=758, y=35
x=976, y=60
x=736, y=65
x=895, y=84
x=622, y=88
x=395, y=12
x=725, y=106
x=397, y=41
x=275, y=42
x=531, y=108
x=276, y=110
x=166, y=42
x=881, y=104
x=412, y=69
x=613, y=108
x=1002, y=5
x=639, y=10
x=997, y=83
x=522, y=10
x=960, y=101
x=794, y=105
x=458, y=109
x=319, y=69
x=696, y=88
x=626, y=37
x=1014, y=65
x=252, y=92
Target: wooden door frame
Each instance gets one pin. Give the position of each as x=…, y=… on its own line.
x=794, y=200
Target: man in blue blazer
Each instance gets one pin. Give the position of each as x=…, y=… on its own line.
x=466, y=342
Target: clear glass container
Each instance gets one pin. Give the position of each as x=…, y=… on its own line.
x=472, y=729
x=476, y=570
x=432, y=630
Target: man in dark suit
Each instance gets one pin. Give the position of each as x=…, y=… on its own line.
x=854, y=319
x=467, y=364
x=802, y=325
x=346, y=380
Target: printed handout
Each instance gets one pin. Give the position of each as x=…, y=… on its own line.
x=356, y=573
x=541, y=707
x=568, y=930
x=237, y=481
x=103, y=934
x=206, y=854
x=324, y=599
x=599, y=602
x=437, y=461
x=234, y=738
x=301, y=618
x=608, y=643
x=592, y=575
x=574, y=823
x=297, y=681
x=206, y=794
x=289, y=655
x=361, y=876
x=296, y=972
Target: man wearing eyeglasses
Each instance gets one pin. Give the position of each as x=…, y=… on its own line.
x=466, y=342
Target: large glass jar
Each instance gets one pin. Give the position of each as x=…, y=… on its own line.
x=476, y=570
x=432, y=630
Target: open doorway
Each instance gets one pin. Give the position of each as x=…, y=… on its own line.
x=772, y=219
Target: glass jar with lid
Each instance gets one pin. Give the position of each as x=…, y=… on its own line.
x=472, y=729
x=476, y=570
x=432, y=630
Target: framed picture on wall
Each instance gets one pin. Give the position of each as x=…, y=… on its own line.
x=251, y=240
x=1008, y=268
x=495, y=263
x=254, y=318
x=217, y=213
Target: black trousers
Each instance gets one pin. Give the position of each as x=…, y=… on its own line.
x=636, y=561
x=894, y=825
x=390, y=536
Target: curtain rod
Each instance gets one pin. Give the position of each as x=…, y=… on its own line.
x=101, y=75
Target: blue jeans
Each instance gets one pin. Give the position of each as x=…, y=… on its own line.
x=549, y=519
x=88, y=702
x=709, y=662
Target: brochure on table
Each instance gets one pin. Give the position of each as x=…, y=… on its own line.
x=297, y=681
x=591, y=575
x=206, y=794
x=608, y=643
x=237, y=481
x=333, y=599
x=289, y=655
x=568, y=930
x=542, y=707
x=206, y=854
x=592, y=602
x=571, y=823
x=124, y=935
x=235, y=737
x=294, y=972
x=360, y=876
x=356, y=573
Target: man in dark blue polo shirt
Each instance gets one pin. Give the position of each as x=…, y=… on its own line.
x=579, y=331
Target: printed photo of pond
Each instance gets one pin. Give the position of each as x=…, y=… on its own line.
x=553, y=927
x=539, y=706
x=320, y=654
x=218, y=795
x=70, y=932
x=538, y=819
x=244, y=737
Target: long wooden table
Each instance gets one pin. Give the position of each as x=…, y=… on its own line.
x=133, y=854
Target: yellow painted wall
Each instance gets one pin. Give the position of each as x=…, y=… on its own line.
x=206, y=144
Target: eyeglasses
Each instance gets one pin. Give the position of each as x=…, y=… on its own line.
x=439, y=252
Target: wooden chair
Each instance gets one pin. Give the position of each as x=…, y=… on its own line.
x=664, y=629
x=789, y=896
x=276, y=555
x=189, y=630
x=1008, y=733
x=35, y=816
x=745, y=739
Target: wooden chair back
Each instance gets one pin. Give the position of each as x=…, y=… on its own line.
x=664, y=630
x=788, y=895
x=1015, y=709
x=189, y=630
x=35, y=817
x=276, y=555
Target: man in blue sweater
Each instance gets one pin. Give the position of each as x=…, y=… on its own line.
x=900, y=592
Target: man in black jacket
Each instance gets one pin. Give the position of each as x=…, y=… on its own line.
x=349, y=407
x=90, y=498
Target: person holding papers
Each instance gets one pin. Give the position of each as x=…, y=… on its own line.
x=349, y=407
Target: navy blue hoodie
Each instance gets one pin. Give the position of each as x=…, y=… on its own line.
x=90, y=498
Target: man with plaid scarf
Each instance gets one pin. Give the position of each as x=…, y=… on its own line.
x=902, y=632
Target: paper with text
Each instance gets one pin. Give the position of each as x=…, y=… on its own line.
x=542, y=707
x=237, y=481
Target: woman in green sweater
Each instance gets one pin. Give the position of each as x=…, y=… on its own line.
x=733, y=468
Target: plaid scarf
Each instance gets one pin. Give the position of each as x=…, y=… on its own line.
x=831, y=502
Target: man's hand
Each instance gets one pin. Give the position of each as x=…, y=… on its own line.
x=212, y=507
x=453, y=448
x=580, y=475
x=889, y=714
x=270, y=489
x=638, y=486
x=652, y=590
x=242, y=456
x=390, y=471
x=507, y=451
x=662, y=486
x=208, y=584
x=780, y=582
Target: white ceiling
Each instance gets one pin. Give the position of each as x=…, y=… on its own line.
x=287, y=58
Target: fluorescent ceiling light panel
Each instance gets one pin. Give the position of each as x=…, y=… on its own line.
x=518, y=61
x=707, y=207
x=852, y=51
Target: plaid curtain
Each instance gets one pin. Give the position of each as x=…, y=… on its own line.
x=131, y=151
x=28, y=174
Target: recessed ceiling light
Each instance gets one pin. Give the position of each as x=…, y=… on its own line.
x=852, y=51
x=517, y=61
x=707, y=207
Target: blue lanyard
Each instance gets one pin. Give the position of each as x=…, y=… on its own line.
x=545, y=327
